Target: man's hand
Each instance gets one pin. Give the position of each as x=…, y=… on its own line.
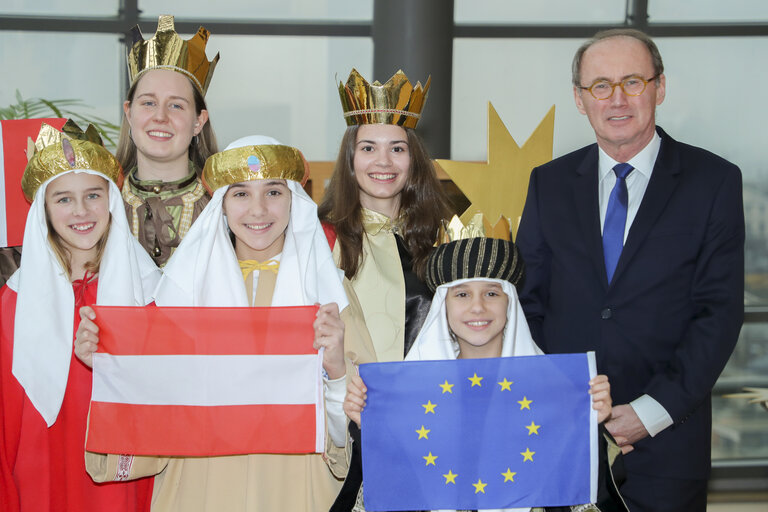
x=625, y=427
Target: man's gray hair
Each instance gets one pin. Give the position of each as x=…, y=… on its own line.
x=658, y=65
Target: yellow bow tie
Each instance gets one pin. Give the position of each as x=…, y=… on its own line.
x=248, y=266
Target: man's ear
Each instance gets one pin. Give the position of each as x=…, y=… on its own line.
x=661, y=89
x=577, y=98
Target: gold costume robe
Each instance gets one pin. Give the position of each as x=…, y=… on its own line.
x=380, y=286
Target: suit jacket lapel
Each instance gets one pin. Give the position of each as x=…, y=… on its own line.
x=585, y=191
x=660, y=187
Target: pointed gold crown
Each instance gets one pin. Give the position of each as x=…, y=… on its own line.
x=477, y=227
x=166, y=50
x=55, y=152
x=250, y=163
x=396, y=102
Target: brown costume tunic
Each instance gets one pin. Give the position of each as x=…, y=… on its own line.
x=161, y=213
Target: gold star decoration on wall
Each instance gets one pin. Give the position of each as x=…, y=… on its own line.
x=499, y=186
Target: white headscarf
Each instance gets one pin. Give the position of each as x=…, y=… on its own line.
x=42, y=349
x=434, y=341
x=204, y=271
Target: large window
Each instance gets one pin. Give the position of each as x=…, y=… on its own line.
x=284, y=87
x=63, y=65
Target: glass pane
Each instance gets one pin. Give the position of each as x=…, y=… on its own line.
x=549, y=12
x=335, y=10
x=705, y=115
x=524, y=78
x=60, y=7
x=285, y=87
x=85, y=67
x=695, y=11
x=740, y=429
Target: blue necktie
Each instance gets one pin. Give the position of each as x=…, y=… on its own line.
x=615, y=220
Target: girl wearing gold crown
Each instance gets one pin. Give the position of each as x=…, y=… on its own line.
x=475, y=313
x=383, y=206
x=257, y=243
x=78, y=250
x=166, y=136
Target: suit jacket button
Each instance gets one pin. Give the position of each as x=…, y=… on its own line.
x=606, y=314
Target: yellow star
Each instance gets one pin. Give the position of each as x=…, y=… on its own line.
x=430, y=459
x=447, y=388
x=423, y=432
x=479, y=486
x=498, y=187
x=450, y=477
x=429, y=407
x=532, y=428
x=527, y=455
x=525, y=403
x=509, y=476
x=505, y=384
x=475, y=380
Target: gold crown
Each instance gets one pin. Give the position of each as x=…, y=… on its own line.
x=396, y=102
x=55, y=152
x=249, y=163
x=477, y=227
x=166, y=50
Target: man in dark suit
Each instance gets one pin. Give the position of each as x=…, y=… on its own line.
x=642, y=263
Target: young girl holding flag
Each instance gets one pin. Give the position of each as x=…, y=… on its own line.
x=78, y=250
x=475, y=313
x=259, y=219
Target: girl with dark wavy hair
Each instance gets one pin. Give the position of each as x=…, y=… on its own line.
x=382, y=211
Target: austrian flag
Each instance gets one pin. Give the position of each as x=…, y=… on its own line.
x=206, y=382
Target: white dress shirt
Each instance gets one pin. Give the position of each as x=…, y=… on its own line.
x=651, y=413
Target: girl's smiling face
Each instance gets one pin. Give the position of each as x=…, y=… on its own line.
x=477, y=315
x=258, y=213
x=163, y=117
x=381, y=163
x=77, y=206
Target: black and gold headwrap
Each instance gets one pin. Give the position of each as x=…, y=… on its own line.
x=475, y=257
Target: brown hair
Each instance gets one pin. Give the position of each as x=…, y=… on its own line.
x=423, y=205
x=653, y=50
x=201, y=147
x=63, y=254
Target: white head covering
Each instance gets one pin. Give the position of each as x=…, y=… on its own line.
x=42, y=349
x=434, y=341
x=204, y=271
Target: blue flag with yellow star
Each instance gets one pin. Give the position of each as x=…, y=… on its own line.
x=479, y=433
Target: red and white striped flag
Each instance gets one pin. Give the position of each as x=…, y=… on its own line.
x=13, y=160
x=206, y=382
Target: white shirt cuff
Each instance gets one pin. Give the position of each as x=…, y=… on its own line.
x=652, y=414
x=335, y=390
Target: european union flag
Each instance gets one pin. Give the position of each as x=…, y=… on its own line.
x=479, y=433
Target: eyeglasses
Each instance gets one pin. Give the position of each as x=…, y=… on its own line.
x=632, y=86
